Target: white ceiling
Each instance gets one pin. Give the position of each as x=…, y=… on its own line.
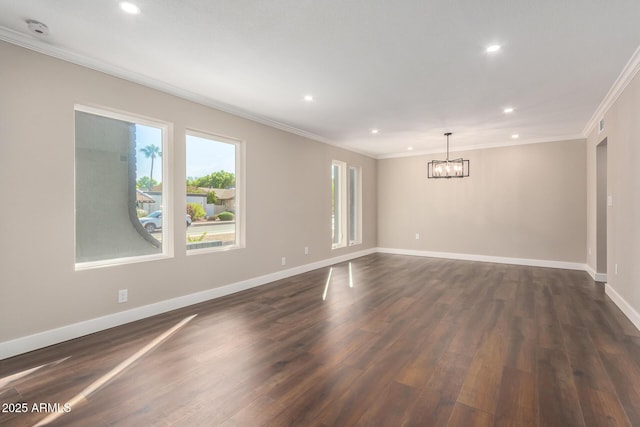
x=412, y=69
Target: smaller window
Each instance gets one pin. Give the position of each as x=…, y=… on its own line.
x=213, y=214
x=355, y=205
x=338, y=204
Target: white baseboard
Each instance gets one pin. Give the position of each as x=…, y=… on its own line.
x=598, y=277
x=68, y=332
x=75, y=330
x=623, y=305
x=488, y=258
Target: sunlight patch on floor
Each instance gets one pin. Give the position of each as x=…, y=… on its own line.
x=14, y=377
x=96, y=385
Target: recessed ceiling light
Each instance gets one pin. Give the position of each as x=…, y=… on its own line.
x=129, y=8
x=410, y=148
x=508, y=110
x=375, y=131
x=308, y=98
x=493, y=48
x=515, y=136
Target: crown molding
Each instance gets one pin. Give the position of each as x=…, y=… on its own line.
x=41, y=46
x=628, y=73
x=483, y=146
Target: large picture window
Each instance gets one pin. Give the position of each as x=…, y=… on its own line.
x=213, y=195
x=120, y=204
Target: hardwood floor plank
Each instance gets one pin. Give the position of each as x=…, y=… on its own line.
x=308, y=402
x=601, y=408
x=481, y=386
x=480, y=319
x=549, y=331
x=426, y=356
x=624, y=371
x=390, y=407
x=557, y=396
x=482, y=383
x=604, y=330
x=566, y=295
x=465, y=416
x=587, y=367
x=520, y=335
x=517, y=404
x=256, y=412
x=378, y=376
x=524, y=298
x=434, y=405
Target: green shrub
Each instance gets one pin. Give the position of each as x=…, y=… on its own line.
x=195, y=210
x=141, y=213
x=225, y=216
x=200, y=238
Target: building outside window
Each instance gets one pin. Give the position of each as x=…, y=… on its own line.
x=120, y=204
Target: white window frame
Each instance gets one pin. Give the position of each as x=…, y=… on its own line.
x=240, y=190
x=167, y=188
x=355, y=211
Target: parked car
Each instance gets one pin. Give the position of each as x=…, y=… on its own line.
x=153, y=221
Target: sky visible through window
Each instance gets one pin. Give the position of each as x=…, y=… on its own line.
x=147, y=135
x=203, y=157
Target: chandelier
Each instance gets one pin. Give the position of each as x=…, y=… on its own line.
x=458, y=168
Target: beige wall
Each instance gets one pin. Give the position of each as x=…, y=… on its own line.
x=288, y=198
x=622, y=132
x=523, y=201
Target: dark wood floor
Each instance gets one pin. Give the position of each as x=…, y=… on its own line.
x=414, y=342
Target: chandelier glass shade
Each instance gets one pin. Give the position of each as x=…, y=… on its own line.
x=456, y=168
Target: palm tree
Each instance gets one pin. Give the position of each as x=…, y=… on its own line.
x=151, y=151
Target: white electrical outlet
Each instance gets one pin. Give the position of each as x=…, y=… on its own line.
x=306, y=250
x=589, y=250
x=417, y=236
x=616, y=268
x=123, y=295
x=284, y=261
